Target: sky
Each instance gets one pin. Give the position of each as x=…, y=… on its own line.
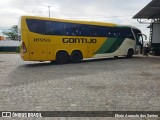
x=112, y=11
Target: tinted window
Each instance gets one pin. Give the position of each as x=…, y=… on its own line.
x=54, y=28
x=41, y=27
x=36, y=26
x=72, y=29
x=136, y=33
x=32, y=26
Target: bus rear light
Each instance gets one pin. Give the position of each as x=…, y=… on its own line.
x=24, y=49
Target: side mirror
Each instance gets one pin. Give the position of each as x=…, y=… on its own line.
x=145, y=36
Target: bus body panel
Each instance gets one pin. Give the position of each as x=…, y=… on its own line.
x=121, y=51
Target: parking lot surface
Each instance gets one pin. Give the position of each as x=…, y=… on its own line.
x=93, y=85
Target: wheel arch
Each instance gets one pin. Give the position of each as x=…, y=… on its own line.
x=130, y=49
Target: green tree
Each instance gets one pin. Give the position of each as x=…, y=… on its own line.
x=12, y=33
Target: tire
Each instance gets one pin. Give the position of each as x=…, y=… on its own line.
x=62, y=57
x=76, y=57
x=130, y=53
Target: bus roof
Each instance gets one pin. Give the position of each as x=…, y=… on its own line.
x=78, y=21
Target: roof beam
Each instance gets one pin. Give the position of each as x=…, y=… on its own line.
x=150, y=11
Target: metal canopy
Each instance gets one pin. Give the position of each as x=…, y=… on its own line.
x=151, y=11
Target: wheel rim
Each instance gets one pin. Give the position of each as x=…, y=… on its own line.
x=62, y=59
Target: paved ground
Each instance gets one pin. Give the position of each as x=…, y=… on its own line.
x=94, y=85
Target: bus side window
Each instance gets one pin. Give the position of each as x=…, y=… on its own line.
x=50, y=28
x=54, y=28
x=123, y=33
x=115, y=32
x=101, y=31
x=31, y=23
x=79, y=30
x=58, y=28
x=128, y=33
x=93, y=31
x=109, y=33
x=41, y=27
x=84, y=30
x=74, y=29
x=67, y=29
x=136, y=34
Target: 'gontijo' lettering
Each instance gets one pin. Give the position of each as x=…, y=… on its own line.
x=79, y=40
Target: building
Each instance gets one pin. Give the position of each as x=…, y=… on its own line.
x=9, y=46
x=2, y=38
x=152, y=12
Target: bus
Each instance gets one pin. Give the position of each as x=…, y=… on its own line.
x=63, y=41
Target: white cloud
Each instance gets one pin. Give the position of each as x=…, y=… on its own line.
x=116, y=11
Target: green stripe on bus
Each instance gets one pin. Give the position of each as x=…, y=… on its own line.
x=106, y=46
x=116, y=45
x=110, y=45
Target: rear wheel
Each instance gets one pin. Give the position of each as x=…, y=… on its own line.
x=76, y=57
x=62, y=57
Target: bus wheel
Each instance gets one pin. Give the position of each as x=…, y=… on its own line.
x=76, y=57
x=62, y=57
x=130, y=53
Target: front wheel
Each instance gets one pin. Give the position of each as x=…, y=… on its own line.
x=76, y=57
x=130, y=53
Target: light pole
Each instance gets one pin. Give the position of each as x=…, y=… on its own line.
x=49, y=10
